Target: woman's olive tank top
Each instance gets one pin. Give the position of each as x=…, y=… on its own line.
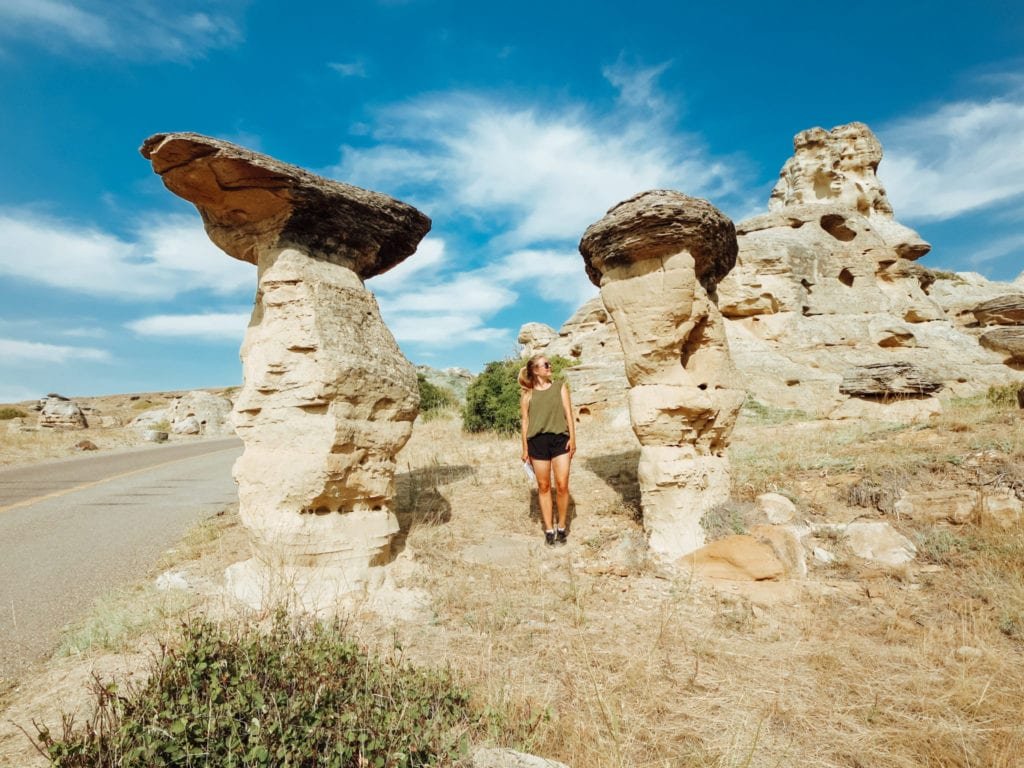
x=546, y=411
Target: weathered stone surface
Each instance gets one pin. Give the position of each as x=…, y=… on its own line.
x=879, y=542
x=736, y=558
x=786, y=544
x=950, y=506
x=251, y=203
x=200, y=412
x=887, y=380
x=1001, y=508
x=657, y=258
x=61, y=413
x=1002, y=310
x=776, y=508
x=659, y=224
x=147, y=419
x=328, y=399
x=1006, y=340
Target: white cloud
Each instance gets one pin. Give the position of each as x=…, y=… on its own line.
x=445, y=330
x=637, y=86
x=534, y=175
x=994, y=251
x=349, y=69
x=16, y=351
x=131, y=29
x=169, y=255
x=429, y=257
x=17, y=394
x=962, y=157
x=213, y=326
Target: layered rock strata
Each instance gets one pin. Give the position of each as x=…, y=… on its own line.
x=328, y=399
x=657, y=259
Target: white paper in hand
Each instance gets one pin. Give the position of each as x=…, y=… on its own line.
x=530, y=474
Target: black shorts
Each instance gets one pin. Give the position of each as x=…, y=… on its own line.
x=547, y=445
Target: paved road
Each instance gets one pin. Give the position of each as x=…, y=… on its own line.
x=73, y=530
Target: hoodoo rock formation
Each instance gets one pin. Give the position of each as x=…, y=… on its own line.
x=827, y=281
x=657, y=258
x=826, y=291
x=328, y=399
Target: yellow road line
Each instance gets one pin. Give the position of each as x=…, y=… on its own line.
x=92, y=484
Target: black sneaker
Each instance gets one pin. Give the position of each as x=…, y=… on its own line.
x=561, y=536
x=549, y=538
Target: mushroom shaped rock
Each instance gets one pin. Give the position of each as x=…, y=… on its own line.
x=251, y=203
x=657, y=258
x=327, y=399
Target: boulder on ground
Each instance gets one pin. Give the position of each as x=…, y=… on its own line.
x=1006, y=340
x=879, y=543
x=888, y=380
x=61, y=413
x=736, y=558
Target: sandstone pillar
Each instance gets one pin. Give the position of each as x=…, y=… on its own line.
x=657, y=259
x=328, y=399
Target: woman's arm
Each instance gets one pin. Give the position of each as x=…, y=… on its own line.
x=567, y=407
x=524, y=420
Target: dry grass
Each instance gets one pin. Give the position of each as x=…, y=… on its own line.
x=591, y=655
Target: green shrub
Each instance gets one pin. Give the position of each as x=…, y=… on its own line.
x=11, y=413
x=299, y=694
x=434, y=398
x=492, y=400
x=1004, y=396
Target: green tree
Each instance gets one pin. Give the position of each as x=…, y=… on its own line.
x=434, y=398
x=492, y=400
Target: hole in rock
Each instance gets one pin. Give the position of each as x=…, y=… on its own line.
x=846, y=277
x=806, y=284
x=795, y=223
x=584, y=411
x=792, y=382
x=835, y=225
x=322, y=511
x=702, y=386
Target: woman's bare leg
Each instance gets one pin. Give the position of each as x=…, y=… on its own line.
x=561, y=466
x=543, y=472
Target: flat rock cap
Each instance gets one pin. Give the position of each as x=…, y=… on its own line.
x=659, y=223
x=250, y=201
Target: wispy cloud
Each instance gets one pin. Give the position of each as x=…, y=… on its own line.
x=534, y=175
x=17, y=351
x=169, y=255
x=131, y=29
x=213, y=326
x=349, y=69
x=961, y=157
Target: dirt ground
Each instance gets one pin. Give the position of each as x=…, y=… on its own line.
x=607, y=658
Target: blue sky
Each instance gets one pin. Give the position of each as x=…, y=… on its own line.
x=513, y=126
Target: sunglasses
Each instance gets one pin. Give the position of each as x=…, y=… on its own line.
x=543, y=365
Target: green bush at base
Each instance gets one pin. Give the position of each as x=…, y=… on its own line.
x=11, y=413
x=492, y=400
x=299, y=694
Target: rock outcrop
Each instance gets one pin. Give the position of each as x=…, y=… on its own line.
x=827, y=281
x=657, y=258
x=61, y=413
x=200, y=413
x=328, y=399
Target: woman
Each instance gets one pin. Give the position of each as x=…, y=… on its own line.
x=549, y=439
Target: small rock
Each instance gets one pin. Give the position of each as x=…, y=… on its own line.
x=736, y=558
x=1001, y=508
x=777, y=508
x=86, y=445
x=154, y=436
x=187, y=426
x=169, y=580
x=880, y=543
x=486, y=757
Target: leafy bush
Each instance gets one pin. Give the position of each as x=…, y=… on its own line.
x=300, y=694
x=11, y=413
x=434, y=398
x=492, y=400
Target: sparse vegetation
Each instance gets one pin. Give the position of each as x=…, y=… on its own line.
x=758, y=412
x=492, y=400
x=1004, y=396
x=434, y=399
x=725, y=520
x=299, y=693
x=8, y=412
